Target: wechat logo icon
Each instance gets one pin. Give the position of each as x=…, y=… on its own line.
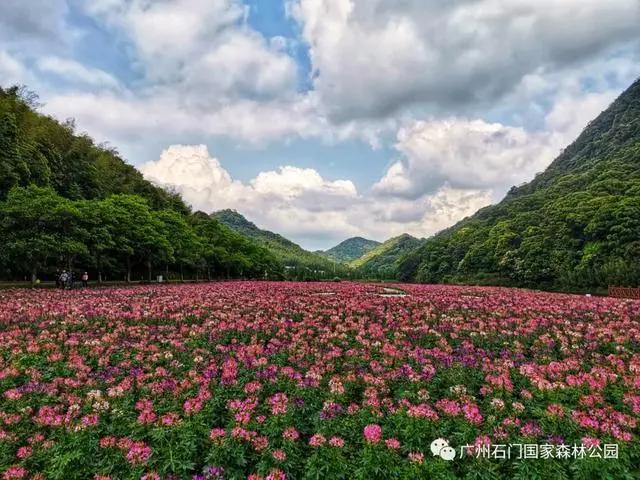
x=440, y=448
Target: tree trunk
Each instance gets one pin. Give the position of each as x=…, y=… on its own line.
x=34, y=275
x=99, y=265
x=149, y=270
x=128, y=270
x=209, y=274
x=181, y=273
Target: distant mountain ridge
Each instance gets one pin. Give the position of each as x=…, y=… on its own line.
x=290, y=253
x=350, y=249
x=382, y=261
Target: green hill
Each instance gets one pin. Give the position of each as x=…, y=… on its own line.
x=575, y=225
x=69, y=203
x=350, y=249
x=37, y=149
x=381, y=261
x=289, y=253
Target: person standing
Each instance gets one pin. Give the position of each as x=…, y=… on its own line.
x=85, y=279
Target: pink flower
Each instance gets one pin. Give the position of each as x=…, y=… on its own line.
x=252, y=387
x=290, y=434
x=13, y=394
x=24, y=452
x=472, y=413
x=317, y=440
x=14, y=471
x=170, y=419
x=336, y=442
x=146, y=417
x=392, y=443
x=276, y=474
x=530, y=429
x=260, y=443
x=449, y=407
x=138, y=453
x=279, y=455
x=416, y=457
x=372, y=433
x=107, y=442
x=278, y=403
x=555, y=410
x=217, y=433
x=590, y=442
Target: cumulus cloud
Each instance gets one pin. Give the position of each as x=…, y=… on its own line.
x=372, y=58
x=475, y=154
x=476, y=95
x=208, y=186
x=126, y=118
x=300, y=203
x=466, y=154
x=201, y=48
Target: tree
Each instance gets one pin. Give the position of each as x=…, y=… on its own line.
x=97, y=218
x=9, y=158
x=184, y=242
x=136, y=232
x=40, y=228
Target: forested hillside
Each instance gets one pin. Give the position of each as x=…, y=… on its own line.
x=66, y=202
x=575, y=225
x=298, y=262
x=382, y=261
x=350, y=249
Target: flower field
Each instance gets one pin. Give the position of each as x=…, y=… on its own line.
x=309, y=380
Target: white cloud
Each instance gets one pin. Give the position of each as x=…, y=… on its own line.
x=72, y=71
x=474, y=154
x=12, y=71
x=303, y=205
x=125, y=118
x=466, y=154
x=375, y=57
x=570, y=114
x=200, y=48
x=208, y=186
x=481, y=95
x=38, y=25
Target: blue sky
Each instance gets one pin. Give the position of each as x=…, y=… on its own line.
x=324, y=119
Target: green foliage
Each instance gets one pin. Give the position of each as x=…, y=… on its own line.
x=36, y=149
x=69, y=202
x=298, y=263
x=39, y=227
x=382, y=261
x=9, y=158
x=575, y=226
x=350, y=249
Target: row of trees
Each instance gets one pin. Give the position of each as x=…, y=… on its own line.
x=41, y=232
x=67, y=202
